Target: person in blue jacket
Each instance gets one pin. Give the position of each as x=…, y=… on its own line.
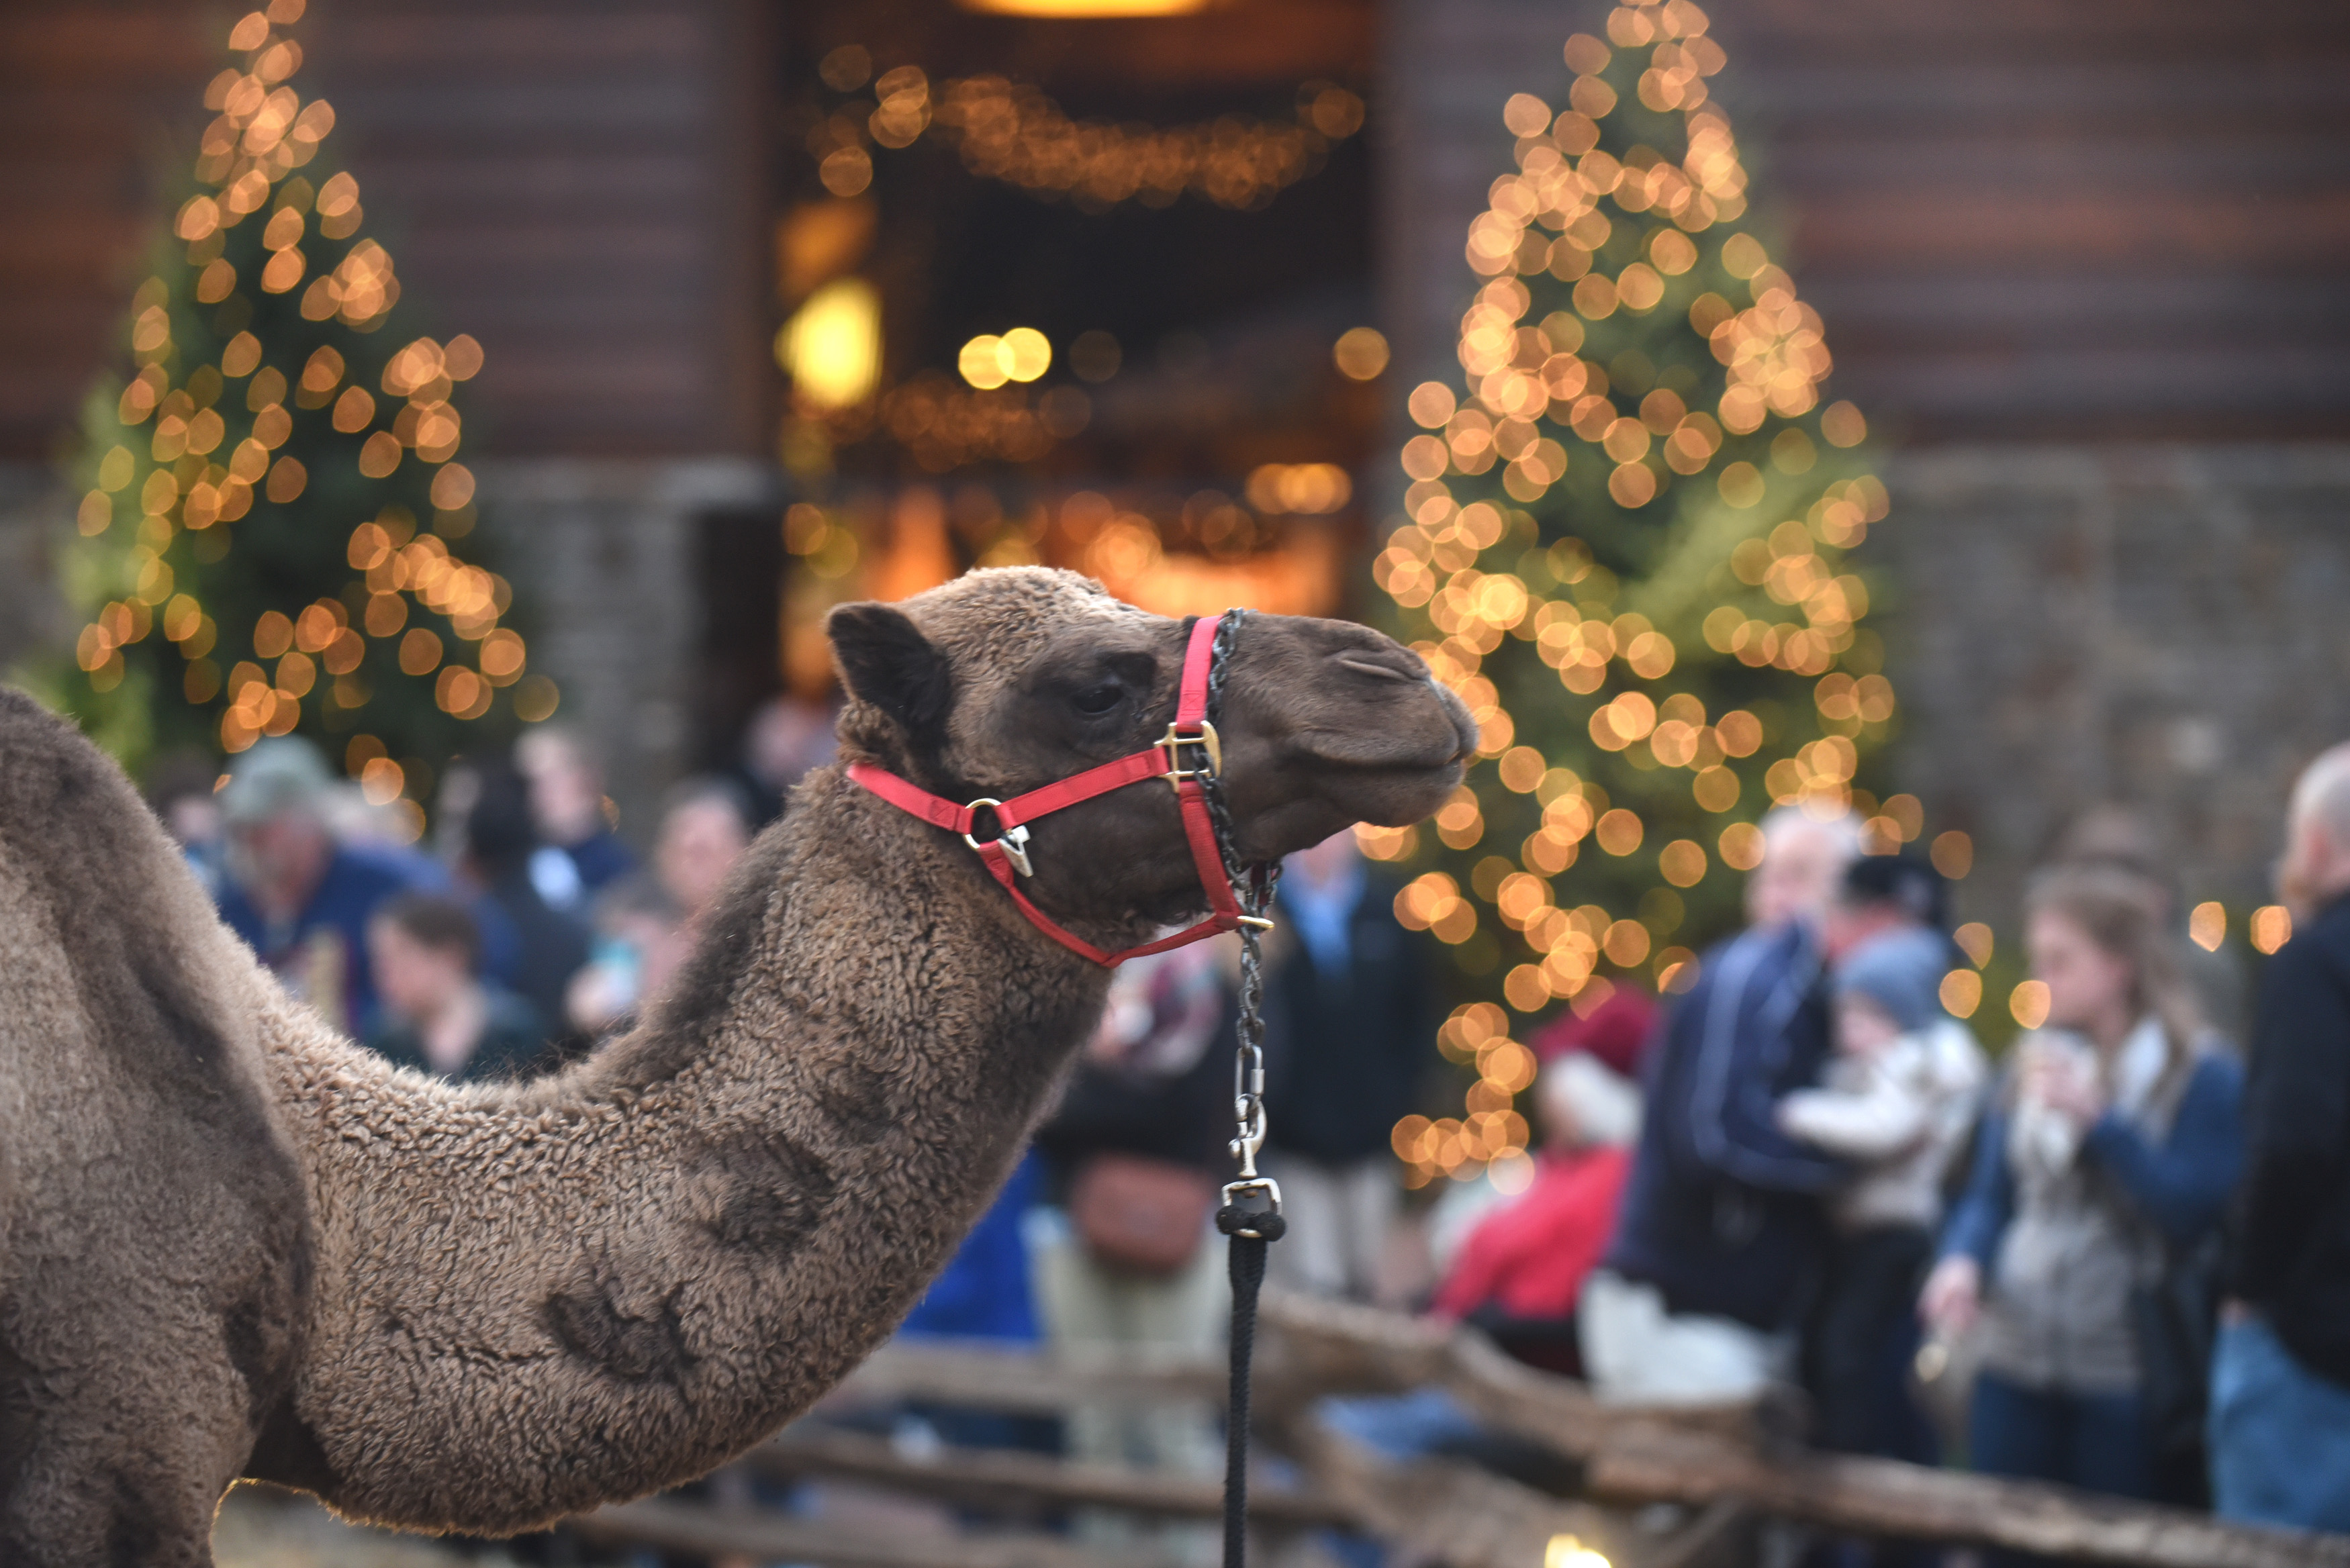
x=1721, y=1226
x=298, y=898
x=2107, y=1155
x=985, y=1292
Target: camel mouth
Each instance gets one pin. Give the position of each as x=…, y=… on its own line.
x=1387, y=779
x=1381, y=758
x=1398, y=794
x=1392, y=749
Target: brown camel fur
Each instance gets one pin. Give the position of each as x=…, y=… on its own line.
x=232, y=1243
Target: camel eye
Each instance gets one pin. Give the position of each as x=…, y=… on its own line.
x=1096, y=701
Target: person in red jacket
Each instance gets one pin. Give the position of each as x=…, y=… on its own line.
x=1519, y=1273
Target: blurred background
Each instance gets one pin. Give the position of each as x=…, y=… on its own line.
x=436, y=500
x=2079, y=265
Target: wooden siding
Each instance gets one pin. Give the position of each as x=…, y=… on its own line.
x=2112, y=218
x=95, y=99
x=2100, y=219
x=2105, y=218
x=579, y=186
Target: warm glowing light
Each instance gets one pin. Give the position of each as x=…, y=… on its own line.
x=846, y=171
x=1742, y=846
x=1974, y=937
x=1061, y=10
x=1953, y=854
x=832, y=345
x=1310, y=488
x=2028, y=1003
x=988, y=361
x=981, y=362
x=1361, y=353
x=2270, y=926
x=1962, y=992
x=1432, y=404
x=2207, y=926
x=1843, y=425
x=1014, y=133
x=1025, y=354
x=1568, y=1551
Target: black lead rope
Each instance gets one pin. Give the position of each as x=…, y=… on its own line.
x=1251, y=1214
x=1249, y=1232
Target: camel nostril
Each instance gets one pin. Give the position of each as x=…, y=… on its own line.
x=1363, y=666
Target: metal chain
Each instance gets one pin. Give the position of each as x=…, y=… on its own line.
x=1253, y=889
x=1251, y=1225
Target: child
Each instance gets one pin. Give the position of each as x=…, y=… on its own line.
x=1900, y=1096
x=440, y=1015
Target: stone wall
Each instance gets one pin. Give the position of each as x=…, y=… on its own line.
x=34, y=511
x=606, y=549
x=2160, y=626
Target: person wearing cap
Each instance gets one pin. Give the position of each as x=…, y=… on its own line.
x=1699, y=1296
x=300, y=899
x=1898, y=1100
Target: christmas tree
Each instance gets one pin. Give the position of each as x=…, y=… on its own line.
x=1624, y=547
x=270, y=510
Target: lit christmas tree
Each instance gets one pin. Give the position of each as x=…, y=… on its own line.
x=270, y=501
x=1624, y=548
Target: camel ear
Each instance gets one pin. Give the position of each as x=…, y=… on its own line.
x=889, y=663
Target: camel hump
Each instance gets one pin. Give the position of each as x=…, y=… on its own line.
x=96, y=881
x=140, y=1134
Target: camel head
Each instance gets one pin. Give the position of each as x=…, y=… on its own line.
x=1004, y=680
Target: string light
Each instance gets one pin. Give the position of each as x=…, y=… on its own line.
x=832, y=345
x=945, y=426
x=192, y=448
x=1011, y=132
x=1629, y=563
x=1170, y=555
x=988, y=361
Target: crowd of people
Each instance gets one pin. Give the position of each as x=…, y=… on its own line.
x=2127, y=1246
x=2119, y=1259
x=523, y=932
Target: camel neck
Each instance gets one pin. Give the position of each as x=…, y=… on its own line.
x=538, y=1298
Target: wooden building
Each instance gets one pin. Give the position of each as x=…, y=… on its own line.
x=2081, y=264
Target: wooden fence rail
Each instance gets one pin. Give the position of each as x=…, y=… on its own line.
x=1649, y=1455
x=1727, y=1464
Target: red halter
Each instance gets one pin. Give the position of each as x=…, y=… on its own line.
x=1006, y=855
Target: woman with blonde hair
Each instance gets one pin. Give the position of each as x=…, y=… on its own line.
x=2108, y=1153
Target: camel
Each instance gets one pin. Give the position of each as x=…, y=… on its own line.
x=233, y=1243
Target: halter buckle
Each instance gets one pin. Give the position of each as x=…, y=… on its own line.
x=1014, y=841
x=1172, y=742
